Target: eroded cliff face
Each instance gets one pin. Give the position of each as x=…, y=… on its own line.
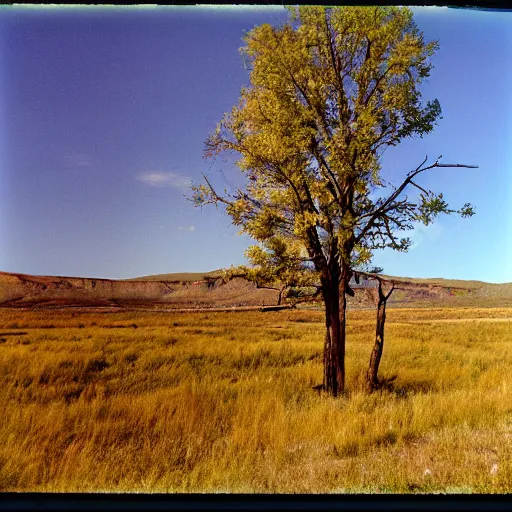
x=407, y=293
x=22, y=290
x=28, y=288
x=25, y=290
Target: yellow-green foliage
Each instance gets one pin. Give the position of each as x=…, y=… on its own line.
x=144, y=401
x=329, y=91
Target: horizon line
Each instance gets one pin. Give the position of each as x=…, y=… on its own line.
x=216, y=270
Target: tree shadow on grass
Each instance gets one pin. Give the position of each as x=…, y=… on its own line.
x=388, y=385
x=406, y=389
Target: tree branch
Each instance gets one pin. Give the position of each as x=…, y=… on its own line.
x=401, y=188
x=214, y=194
x=381, y=280
x=417, y=186
x=343, y=104
x=321, y=161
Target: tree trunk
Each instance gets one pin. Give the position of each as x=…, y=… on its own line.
x=342, y=314
x=334, y=348
x=280, y=298
x=372, y=380
x=334, y=371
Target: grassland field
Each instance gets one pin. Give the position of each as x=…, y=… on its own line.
x=224, y=402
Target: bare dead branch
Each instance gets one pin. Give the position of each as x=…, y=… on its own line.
x=457, y=165
x=390, y=291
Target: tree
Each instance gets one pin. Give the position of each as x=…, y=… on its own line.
x=330, y=91
x=382, y=296
x=372, y=379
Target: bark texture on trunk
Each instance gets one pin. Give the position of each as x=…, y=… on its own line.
x=342, y=313
x=332, y=370
x=335, y=329
x=372, y=379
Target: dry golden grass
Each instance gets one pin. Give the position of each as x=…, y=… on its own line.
x=223, y=402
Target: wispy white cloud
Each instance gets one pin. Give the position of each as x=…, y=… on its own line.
x=76, y=159
x=165, y=179
x=188, y=229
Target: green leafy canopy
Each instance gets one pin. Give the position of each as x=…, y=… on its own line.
x=329, y=91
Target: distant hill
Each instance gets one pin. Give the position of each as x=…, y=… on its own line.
x=441, y=281
x=456, y=292
x=184, y=290
x=187, y=277
x=411, y=291
x=178, y=277
x=203, y=290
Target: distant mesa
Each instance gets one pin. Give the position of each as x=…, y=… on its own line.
x=200, y=290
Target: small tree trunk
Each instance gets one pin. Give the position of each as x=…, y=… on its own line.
x=280, y=298
x=372, y=380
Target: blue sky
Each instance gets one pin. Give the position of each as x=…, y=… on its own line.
x=105, y=112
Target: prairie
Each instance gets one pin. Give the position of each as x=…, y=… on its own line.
x=224, y=402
